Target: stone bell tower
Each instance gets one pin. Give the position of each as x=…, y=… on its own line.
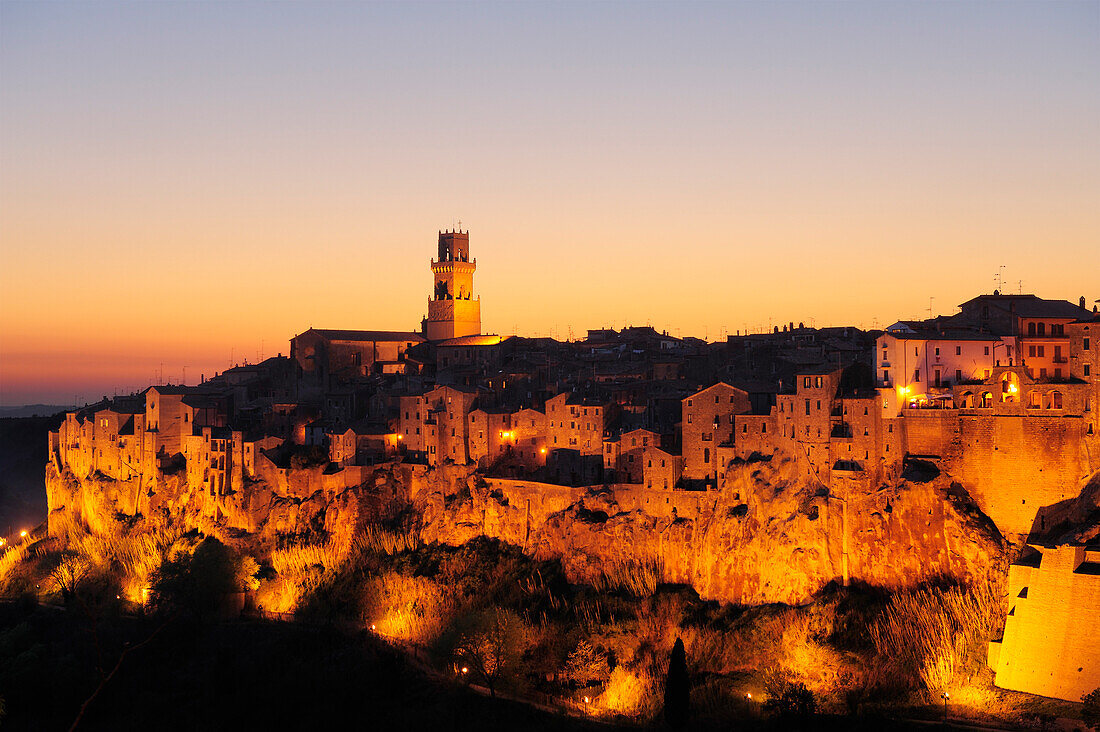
x=453, y=311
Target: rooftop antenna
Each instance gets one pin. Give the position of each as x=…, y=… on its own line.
x=1000, y=278
x=930, y=299
x=1021, y=286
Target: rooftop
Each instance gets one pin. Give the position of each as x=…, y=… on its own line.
x=360, y=336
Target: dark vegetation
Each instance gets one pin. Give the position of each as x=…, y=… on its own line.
x=514, y=623
x=229, y=676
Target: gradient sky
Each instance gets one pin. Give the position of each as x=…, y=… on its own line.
x=182, y=184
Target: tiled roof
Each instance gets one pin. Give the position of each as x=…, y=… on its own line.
x=387, y=336
x=472, y=340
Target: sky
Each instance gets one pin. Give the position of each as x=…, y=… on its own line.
x=186, y=185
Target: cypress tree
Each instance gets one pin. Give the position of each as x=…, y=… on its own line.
x=676, y=688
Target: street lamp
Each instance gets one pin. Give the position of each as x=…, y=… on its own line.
x=586, y=706
x=945, y=696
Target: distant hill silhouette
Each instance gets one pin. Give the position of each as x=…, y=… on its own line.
x=22, y=466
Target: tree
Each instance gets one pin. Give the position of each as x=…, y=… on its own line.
x=677, y=691
x=198, y=582
x=490, y=646
x=586, y=665
x=1090, y=712
x=69, y=573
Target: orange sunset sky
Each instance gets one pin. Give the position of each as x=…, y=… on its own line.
x=186, y=184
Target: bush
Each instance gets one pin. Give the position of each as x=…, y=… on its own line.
x=792, y=700
x=409, y=608
x=312, y=456
x=925, y=637
x=630, y=692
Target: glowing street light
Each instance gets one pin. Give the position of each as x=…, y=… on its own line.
x=586, y=706
x=372, y=627
x=23, y=533
x=945, y=696
x=465, y=670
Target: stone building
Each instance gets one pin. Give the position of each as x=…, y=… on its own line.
x=923, y=364
x=707, y=421
x=325, y=359
x=623, y=454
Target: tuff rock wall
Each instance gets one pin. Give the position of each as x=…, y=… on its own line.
x=774, y=534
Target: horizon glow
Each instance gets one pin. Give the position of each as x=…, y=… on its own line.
x=184, y=186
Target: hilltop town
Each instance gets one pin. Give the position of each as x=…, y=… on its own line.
x=932, y=448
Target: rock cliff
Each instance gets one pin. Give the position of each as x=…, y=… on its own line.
x=774, y=535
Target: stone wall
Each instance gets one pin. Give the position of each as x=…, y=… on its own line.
x=1050, y=645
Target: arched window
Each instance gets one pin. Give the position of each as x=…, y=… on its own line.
x=968, y=400
x=1031, y=329
x=1054, y=400
x=1033, y=400
x=1042, y=329
x=987, y=400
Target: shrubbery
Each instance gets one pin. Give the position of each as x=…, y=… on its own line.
x=199, y=582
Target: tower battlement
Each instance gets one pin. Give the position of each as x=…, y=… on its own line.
x=454, y=246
